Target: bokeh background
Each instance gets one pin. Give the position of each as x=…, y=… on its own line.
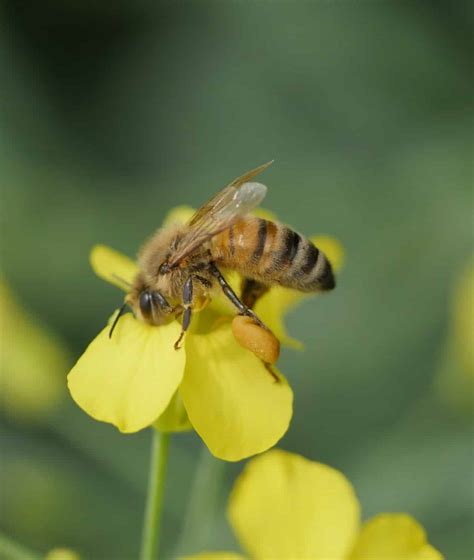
x=112, y=113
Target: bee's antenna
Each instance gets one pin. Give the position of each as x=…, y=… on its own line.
x=117, y=317
x=120, y=279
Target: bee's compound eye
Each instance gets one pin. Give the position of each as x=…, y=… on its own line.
x=145, y=303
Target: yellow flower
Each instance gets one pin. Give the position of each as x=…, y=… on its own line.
x=62, y=554
x=456, y=376
x=225, y=392
x=32, y=363
x=285, y=507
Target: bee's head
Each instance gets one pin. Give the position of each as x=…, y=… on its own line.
x=153, y=307
x=148, y=304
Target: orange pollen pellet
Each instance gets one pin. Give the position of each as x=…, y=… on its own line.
x=255, y=338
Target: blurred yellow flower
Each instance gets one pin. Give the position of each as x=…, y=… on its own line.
x=226, y=393
x=286, y=507
x=33, y=363
x=62, y=554
x=456, y=376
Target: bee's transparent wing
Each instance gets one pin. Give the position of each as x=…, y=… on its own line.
x=225, y=195
x=219, y=213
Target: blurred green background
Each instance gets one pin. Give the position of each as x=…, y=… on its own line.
x=112, y=113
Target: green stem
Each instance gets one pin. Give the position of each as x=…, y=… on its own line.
x=154, y=501
x=15, y=551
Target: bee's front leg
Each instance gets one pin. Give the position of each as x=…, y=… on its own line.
x=187, y=301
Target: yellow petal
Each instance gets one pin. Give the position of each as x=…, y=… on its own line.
x=234, y=403
x=129, y=379
x=265, y=214
x=285, y=506
x=113, y=267
x=455, y=378
x=62, y=554
x=215, y=556
x=393, y=536
x=178, y=215
x=463, y=321
x=33, y=362
x=332, y=248
x=174, y=418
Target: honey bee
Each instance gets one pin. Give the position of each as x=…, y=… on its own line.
x=181, y=264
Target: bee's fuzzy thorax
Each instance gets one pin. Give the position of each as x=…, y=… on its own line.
x=158, y=248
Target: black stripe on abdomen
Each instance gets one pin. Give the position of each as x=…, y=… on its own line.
x=326, y=278
x=262, y=237
x=290, y=246
x=310, y=258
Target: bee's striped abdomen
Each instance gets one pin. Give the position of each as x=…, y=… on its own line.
x=273, y=254
x=303, y=266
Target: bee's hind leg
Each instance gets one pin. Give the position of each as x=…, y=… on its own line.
x=229, y=292
x=252, y=290
x=187, y=301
